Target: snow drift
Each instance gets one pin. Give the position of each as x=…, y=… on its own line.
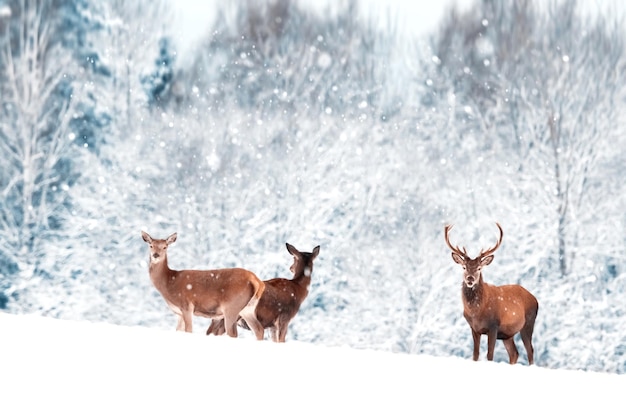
x=56, y=367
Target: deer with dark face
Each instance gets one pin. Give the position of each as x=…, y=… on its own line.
x=497, y=311
x=220, y=293
x=282, y=297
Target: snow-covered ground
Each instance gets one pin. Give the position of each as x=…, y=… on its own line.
x=54, y=367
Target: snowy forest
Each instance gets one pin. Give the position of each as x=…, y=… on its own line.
x=287, y=124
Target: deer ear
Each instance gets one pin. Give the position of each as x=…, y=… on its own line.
x=146, y=237
x=486, y=260
x=291, y=249
x=316, y=251
x=172, y=238
x=457, y=258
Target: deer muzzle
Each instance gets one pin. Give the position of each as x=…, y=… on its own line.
x=470, y=281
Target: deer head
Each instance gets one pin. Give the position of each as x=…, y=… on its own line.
x=158, y=247
x=302, y=261
x=472, y=274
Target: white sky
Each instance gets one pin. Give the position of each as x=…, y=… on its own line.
x=417, y=16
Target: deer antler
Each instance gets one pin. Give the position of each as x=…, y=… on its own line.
x=492, y=250
x=455, y=249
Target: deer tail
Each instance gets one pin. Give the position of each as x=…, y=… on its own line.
x=259, y=287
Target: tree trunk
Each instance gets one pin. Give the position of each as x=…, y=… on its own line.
x=561, y=192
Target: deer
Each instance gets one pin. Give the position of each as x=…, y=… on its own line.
x=219, y=293
x=282, y=298
x=500, y=312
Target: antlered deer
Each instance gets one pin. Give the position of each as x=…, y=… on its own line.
x=497, y=311
x=282, y=297
x=220, y=293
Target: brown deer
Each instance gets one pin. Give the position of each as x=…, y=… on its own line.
x=282, y=297
x=497, y=311
x=219, y=293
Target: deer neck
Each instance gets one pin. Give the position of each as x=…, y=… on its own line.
x=160, y=273
x=473, y=296
x=303, y=278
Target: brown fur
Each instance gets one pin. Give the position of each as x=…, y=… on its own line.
x=220, y=293
x=282, y=297
x=497, y=311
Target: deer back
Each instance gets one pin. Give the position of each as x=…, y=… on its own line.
x=209, y=290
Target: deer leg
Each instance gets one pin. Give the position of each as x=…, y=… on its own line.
x=253, y=323
x=242, y=323
x=180, y=326
x=282, y=333
x=188, y=319
x=492, y=336
x=509, y=344
x=527, y=338
x=274, y=332
x=230, y=323
x=216, y=328
x=282, y=330
x=211, y=329
x=476, y=337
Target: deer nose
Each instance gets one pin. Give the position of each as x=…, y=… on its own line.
x=470, y=279
x=155, y=255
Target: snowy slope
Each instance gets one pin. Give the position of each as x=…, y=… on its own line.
x=54, y=367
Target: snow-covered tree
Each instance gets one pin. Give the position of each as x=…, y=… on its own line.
x=279, y=58
x=158, y=84
x=36, y=101
x=526, y=88
x=124, y=46
x=317, y=129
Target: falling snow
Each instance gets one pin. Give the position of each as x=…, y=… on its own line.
x=328, y=132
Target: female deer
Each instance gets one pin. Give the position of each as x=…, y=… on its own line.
x=282, y=297
x=219, y=293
